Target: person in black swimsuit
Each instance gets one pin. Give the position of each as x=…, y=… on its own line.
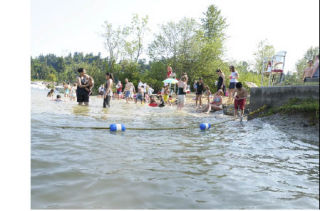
x=221, y=81
x=199, y=91
x=82, y=84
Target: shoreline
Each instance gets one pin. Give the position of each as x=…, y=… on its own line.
x=296, y=124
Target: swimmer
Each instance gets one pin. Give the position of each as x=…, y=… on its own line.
x=50, y=93
x=58, y=99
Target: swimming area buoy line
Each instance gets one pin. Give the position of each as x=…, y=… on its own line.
x=122, y=128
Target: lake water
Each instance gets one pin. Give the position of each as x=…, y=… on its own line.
x=255, y=166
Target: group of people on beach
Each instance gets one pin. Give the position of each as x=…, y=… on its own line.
x=82, y=89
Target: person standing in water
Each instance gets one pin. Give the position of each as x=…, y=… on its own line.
x=182, y=87
x=240, y=99
x=119, y=89
x=126, y=90
x=73, y=92
x=199, y=92
x=82, y=84
x=108, y=93
x=66, y=88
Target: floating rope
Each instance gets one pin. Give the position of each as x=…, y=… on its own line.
x=113, y=127
x=166, y=128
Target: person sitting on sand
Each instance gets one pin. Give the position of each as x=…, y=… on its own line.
x=50, y=93
x=216, y=103
x=240, y=99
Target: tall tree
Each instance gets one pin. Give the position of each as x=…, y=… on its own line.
x=213, y=23
x=113, y=39
x=134, y=36
x=264, y=50
x=175, y=41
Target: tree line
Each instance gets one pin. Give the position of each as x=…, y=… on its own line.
x=188, y=46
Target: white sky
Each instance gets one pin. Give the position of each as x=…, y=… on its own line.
x=63, y=26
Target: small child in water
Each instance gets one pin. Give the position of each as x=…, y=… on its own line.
x=240, y=99
x=91, y=84
x=161, y=102
x=50, y=93
x=58, y=99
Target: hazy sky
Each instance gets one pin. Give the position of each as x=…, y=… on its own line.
x=63, y=26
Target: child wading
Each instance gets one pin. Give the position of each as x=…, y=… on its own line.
x=199, y=92
x=108, y=93
x=240, y=99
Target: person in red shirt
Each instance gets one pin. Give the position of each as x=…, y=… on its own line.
x=119, y=89
x=169, y=71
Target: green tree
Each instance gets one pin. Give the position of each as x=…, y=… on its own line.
x=264, y=50
x=213, y=23
x=113, y=42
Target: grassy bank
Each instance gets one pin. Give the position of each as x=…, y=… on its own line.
x=309, y=108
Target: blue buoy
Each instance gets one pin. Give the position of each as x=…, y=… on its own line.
x=205, y=126
x=117, y=127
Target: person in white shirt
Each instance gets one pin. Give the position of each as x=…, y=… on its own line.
x=233, y=80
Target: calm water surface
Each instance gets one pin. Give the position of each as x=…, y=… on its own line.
x=257, y=166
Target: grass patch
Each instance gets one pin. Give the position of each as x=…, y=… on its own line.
x=307, y=107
